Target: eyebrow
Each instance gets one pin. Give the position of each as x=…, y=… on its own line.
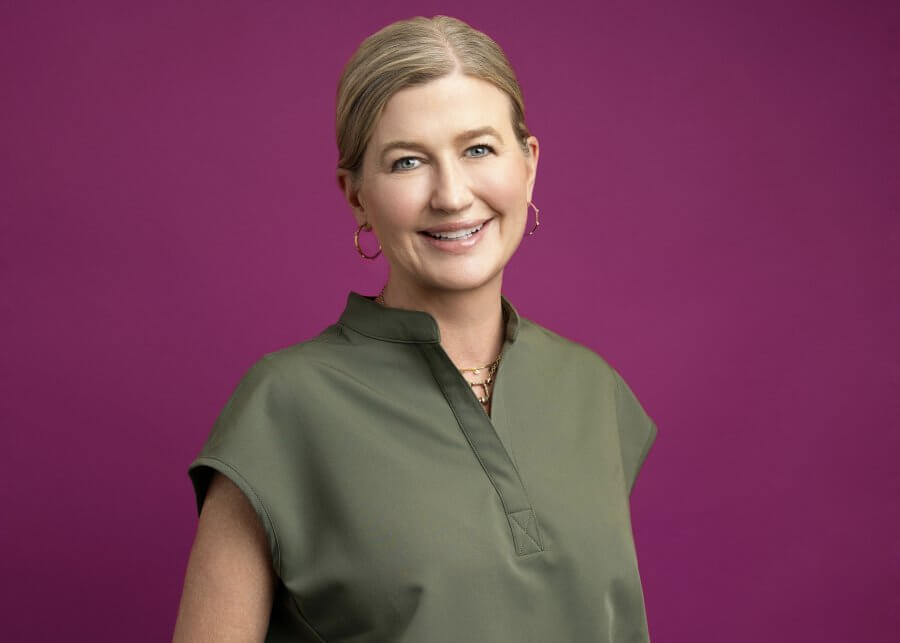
x=462, y=136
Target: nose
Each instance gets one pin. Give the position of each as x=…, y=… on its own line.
x=451, y=191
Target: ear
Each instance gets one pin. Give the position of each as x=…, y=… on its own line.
x=531, y=161
x=350, y=190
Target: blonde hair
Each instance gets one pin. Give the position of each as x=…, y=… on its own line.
x=409, y=53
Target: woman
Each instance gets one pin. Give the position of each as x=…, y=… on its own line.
x=432, y=467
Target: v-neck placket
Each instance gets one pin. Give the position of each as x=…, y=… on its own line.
x=370, y=318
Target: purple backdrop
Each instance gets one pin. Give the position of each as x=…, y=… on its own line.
x=721, y=220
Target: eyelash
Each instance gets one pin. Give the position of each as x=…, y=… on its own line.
x=394, y=167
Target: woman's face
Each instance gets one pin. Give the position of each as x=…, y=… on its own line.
x=443, y=156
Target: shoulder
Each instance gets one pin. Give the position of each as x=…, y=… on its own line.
x=284, y=379
x=549, y=347
x=300, y=358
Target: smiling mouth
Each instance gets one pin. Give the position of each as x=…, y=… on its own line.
x=456, y=235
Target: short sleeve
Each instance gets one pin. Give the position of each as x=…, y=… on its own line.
x=243, y=446
x=637, y=431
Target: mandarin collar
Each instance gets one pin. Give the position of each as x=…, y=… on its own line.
x=367, y=317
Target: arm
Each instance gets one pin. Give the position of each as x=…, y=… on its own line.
x=229, y=585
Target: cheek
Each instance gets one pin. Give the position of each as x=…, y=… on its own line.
x=504, y=189
x=398, y=205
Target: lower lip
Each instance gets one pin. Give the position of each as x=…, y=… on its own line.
x=457, y=246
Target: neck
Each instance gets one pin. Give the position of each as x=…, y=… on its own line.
x=470, y=321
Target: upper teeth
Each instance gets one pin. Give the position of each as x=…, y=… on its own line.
x=458, y=234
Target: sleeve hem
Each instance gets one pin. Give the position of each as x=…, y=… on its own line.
x=651, y=438
x=636, y=457
x=201, y=484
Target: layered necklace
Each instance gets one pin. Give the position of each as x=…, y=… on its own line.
x=491, y=369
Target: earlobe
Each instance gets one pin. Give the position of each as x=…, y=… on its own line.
x=345, y=185
x=351, y=194
x=535, y=150
x=534, y=153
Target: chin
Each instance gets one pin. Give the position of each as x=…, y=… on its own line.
x=466, y=281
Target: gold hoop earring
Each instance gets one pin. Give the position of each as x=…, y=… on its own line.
x=536, y=220
x=356, y=243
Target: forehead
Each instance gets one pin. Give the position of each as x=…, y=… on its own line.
x=442, y=108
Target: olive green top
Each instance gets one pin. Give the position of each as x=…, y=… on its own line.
x=396, y=509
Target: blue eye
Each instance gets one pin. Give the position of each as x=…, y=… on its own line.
x=487, y=148
x=403, y=164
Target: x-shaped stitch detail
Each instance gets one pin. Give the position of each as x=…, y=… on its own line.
x=529, y=520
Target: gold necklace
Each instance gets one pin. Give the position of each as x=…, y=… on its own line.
x=492, y=368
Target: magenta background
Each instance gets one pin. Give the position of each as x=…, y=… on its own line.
x=721, y=218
